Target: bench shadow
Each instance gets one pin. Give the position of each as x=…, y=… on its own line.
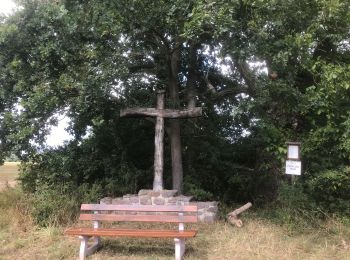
x=143, y=248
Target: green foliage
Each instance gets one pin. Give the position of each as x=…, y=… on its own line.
x=294, y=208
x=196, y=191
x=330, y=190
x=60, y=206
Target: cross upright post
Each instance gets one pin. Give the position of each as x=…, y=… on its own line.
x=159, y=145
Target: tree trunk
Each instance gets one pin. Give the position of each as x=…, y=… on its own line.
x=191, y=101
x=192, y=76
x=176, y=155
x=175, y=134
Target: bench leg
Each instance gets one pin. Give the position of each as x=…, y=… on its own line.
x=83, y=247
x=85, y=250
x=94, y=247
x=179, y=248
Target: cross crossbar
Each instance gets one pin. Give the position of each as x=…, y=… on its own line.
x=165, y=113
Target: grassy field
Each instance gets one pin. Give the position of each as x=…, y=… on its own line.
x=8, y=174
x=257, y=239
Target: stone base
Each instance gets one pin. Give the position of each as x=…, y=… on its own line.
x=207, y=211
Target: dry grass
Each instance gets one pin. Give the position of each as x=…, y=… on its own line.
x=257, y=239
x=8, y=174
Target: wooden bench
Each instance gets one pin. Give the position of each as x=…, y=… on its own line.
x=134, y=213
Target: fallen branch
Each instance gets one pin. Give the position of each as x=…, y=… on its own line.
x=233, y=216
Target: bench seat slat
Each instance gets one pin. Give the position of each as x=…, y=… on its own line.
x=140, y=218
x=130, y=232
x=145, y=208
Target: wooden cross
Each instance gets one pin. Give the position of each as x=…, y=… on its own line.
x=160, y=113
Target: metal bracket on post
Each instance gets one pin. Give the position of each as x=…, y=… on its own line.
x=96, y=224
x=180, y=242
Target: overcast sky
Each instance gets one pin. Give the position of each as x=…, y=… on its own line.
x=6, y=6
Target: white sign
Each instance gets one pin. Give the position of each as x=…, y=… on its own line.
x=293, y=151
x=293, y=167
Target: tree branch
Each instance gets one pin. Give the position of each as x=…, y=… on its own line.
x=231, y=88
x=247, y=75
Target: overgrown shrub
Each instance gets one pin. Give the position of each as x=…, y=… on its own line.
x=331, y=190
x=61, y=205
x=293, y=208
x=192, y=188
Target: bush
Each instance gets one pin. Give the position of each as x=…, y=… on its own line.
x=294, y=208
x=60, y=206
x=330, y=189
x=196, y=191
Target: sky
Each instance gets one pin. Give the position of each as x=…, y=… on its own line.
x=6, y=6
x=58, y=133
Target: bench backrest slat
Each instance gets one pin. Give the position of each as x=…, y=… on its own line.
x=140, y=213
x=140, y=218
x=139, y=208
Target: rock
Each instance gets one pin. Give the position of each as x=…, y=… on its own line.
x=213, y=209
x=168, y=193
x=120, y=201
x=134, y=199
x=201, y=218
x=183, y=198
x=106, y=200
x=171, y=201
x=126, y=196
x=145, y=200
x=144, y=192
x=201, y=212
x=154, y=193
x=158, y=201
x=209, y=218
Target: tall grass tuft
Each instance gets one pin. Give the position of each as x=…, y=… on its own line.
x=15, y=209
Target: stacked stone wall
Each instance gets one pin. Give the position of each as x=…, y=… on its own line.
x=207, y=211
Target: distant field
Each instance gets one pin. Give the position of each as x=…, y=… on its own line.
x=8, y=174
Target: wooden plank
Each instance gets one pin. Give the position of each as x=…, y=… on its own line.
x=140, y=208
x=140, y=218
x=130, y=232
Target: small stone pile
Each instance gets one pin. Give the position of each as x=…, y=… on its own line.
x=207, y=211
